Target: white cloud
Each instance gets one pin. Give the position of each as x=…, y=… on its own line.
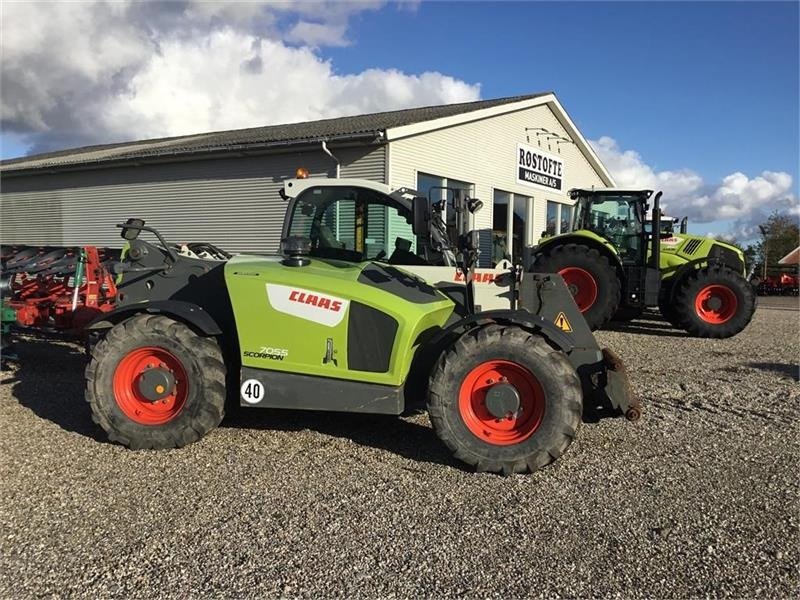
x=743, y=201
x=94, y=72
x=318, y=34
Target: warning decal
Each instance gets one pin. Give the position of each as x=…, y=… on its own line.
x=562, y=322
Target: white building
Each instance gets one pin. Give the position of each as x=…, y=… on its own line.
x=519, y=155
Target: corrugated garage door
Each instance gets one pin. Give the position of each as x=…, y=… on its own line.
x=232, y=202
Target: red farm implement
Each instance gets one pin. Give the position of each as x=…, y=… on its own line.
x=56, y=289
x=781, y=284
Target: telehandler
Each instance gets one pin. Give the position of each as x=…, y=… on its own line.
x=338, y=323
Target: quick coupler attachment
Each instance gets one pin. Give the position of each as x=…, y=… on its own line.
x=618, y=387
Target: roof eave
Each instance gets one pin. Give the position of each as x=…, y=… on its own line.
x=373, y=137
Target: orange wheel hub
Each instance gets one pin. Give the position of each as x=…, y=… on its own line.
x=716, y=304
x=150, y=385
x=501, y=402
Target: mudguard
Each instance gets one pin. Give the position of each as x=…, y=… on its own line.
x=523, y=318
x=187, y=312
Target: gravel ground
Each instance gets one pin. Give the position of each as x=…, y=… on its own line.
x=699, y=498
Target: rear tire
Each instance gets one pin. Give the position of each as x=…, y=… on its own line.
x=714, y=302
x=187, y=373
x=549, y=395
x=591, y=278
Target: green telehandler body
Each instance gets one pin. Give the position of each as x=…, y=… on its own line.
x=336, y=322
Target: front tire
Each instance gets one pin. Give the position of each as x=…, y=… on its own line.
x=591, y=278
x=154, y=383
x=503, y=400
x=714, y=302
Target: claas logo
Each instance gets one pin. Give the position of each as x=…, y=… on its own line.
x=315, y=300
x=477, y=277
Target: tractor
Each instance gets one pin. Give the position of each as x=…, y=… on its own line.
x=616, y=263
x=336, y=322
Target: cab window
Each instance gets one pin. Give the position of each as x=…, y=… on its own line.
x=353, y=224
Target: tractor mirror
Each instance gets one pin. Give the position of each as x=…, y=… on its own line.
x=132, y=229
x=421, y=209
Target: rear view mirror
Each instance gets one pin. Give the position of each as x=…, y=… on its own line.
x=132, y=229
x=421, y=209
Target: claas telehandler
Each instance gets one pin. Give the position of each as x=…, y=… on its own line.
x=338, y=321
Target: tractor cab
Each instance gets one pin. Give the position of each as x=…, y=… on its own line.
x=617, y=216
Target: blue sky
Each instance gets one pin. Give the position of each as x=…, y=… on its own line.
x=700, y=85
x=700, y=99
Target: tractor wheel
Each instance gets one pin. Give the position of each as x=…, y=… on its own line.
x=667, y=306
x=154, y=383
x=590, y=277
x=504, y=400
x=714, y=302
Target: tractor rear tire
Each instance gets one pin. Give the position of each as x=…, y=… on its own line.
x=666, y=305
x=518, y=366
x=154, y=383
x=590, y=277
x=714, y=302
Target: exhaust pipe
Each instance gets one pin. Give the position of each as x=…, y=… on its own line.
x=655, y=254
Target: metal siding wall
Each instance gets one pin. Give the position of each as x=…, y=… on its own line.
x=231, y=202
x=367, y=162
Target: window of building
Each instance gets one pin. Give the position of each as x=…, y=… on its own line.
x=427, y=184
x=523, y=223
x=501, y=240
x=566, y=218
x=433, y=186
x=553, y=218
x=512, y=223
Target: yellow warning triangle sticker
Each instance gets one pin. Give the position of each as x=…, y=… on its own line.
x=562, y=322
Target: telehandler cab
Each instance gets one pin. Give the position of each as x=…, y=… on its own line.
x=335, y=324
x=616, y=263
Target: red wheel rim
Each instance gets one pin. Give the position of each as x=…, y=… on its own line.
x=716, y=304
x=484, y=425
x=128, y=394
x=581, y=285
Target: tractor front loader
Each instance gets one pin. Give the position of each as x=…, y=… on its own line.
x=331, y=325
x=616, y=263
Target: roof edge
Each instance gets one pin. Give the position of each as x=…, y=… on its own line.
x=549, y=99
x=22, y=170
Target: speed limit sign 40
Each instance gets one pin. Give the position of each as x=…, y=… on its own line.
x=252, y=391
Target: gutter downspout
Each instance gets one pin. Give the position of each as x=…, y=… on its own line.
x=336, y=160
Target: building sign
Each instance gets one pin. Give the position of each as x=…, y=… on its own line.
x=539, y=169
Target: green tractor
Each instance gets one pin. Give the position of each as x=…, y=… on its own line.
x=616, y=263
x=335, y=323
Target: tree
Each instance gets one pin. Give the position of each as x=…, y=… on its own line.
x=780, y=235
x=752, y=256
